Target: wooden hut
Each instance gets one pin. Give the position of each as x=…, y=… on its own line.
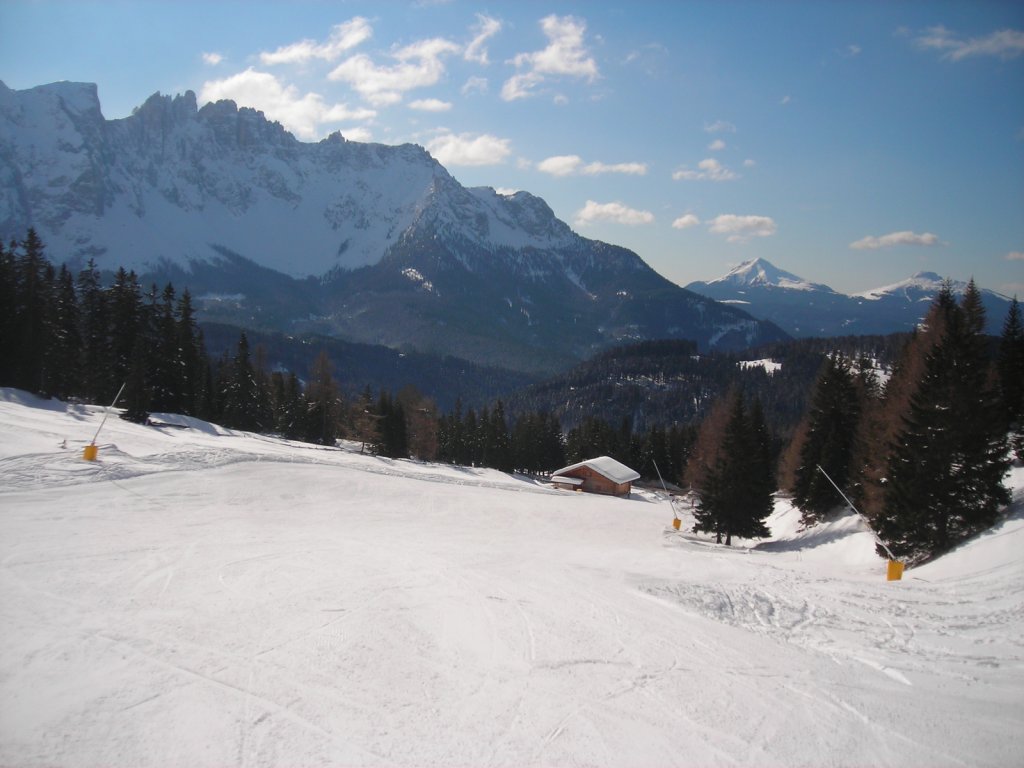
x=601, y=475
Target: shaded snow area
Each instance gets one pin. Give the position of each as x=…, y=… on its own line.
x=200, y=597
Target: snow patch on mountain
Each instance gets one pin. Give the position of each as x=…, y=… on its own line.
x=763, y=274
x=173, y=183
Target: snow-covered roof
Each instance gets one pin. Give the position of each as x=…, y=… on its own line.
x=614, y=470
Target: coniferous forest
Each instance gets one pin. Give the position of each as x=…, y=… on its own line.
x=921, y=449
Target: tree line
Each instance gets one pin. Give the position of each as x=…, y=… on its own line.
x=922, y=455
x=74, y=338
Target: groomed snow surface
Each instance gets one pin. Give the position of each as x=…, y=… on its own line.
x=198, y=597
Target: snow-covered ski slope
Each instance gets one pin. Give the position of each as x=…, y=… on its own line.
x=198, y=597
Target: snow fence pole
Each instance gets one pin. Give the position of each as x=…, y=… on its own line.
x=675, y=518
x=894, y=572
x=91, y=450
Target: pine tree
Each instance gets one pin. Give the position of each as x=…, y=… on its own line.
x=762, y=463
x=366, y=422
x=34, y=293
x=165, y=374
x=125, y=326
x=734, y=502
x=323, y=403
x=947, y=465
x=1010, y=365
x=393, y=435
x=94, y=329
x=189, y=358
x=833, y=416
x=8, y=299
x=500, y=451
x=63, y=358
x=708, y=444
x=238, y=389
x=882, y=419
x=422, y=423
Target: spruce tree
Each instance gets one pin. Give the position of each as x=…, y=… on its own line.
x=125, y=323
x=189, y=357
x=501, y=443
x=63, y=358
x=8, y=299
x=733, y=501
x=34, y=293
x=947, y=465
x=237, y=389
x=1010, y=365
x=762, y=463
x=94, y=329
x=829, y=441
x=165, y=372
x=323, y=403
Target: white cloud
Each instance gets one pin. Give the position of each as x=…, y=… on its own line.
x=213, y=59
x=430, y=105
x=419, y=65
x=686, y=221
x=300, y=113
x=1015, y=256
x=565, y=55
x=567, y=165
x=720, y=126
x=485, y=29
x=872, y=243
x=707, y=170
x=358, y=134
x=716, y=146
x=785, y=100
x=739, y=229
x=344, y=37
x=475, y=85
x=616, y=213
x=560, y=165
x=630, y=169
x=853, y=50
x=469, y=149
x=1004, y=44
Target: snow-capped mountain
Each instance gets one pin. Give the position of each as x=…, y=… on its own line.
x=760, y=273
x=228, y=203
x=803, y=308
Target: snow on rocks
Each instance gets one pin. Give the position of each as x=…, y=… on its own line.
x=205, y=597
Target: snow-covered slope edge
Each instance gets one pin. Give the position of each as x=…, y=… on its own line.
x=208, y=598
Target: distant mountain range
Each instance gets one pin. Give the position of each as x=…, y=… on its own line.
x=805, y=309
x=365, y=242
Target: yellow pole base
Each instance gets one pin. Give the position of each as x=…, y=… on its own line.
x=90, y=452
x=894, y=572
x=675, y=523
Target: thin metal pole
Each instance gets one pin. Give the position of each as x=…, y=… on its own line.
x=675, y=515
x=878, y=540
x=106, y=412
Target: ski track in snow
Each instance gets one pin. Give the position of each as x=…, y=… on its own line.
x=207, y=598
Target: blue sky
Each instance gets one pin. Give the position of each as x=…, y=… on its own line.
x=851, y=143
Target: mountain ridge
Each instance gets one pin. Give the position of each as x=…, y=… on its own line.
x=374, y=243
x=806, y=309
